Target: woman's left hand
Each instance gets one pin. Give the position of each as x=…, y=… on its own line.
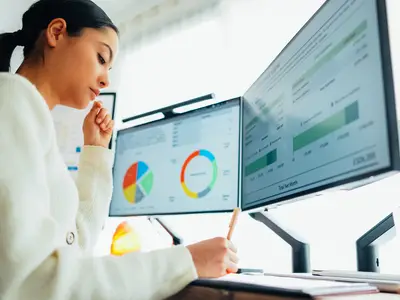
x=98, y=126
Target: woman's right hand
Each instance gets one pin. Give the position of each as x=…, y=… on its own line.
x=214, y=258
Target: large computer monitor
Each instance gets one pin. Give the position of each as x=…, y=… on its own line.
x=188, y=163
x=322, y=115
x=68, y=125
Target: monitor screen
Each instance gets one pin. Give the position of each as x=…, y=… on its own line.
x=185, y=164
x=322, y=114
x=68, y=125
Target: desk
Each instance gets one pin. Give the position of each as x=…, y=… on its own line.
x=206, y=293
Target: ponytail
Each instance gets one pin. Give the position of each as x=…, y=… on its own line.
x=8, y=43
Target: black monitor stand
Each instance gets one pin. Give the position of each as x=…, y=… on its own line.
x=176, y=239
x=300, y=249
x=367, y=245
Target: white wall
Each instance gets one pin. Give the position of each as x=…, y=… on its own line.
x=11, y=14
x=222, y=51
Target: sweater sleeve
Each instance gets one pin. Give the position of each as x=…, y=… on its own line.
x=94, y=183
x=33, y=266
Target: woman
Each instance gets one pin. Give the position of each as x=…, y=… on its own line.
x=47, y=221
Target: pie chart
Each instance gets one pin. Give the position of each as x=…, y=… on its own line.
x=138, y=182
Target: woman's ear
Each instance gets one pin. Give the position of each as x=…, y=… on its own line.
x=56, y=30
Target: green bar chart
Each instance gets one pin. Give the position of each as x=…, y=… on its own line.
x=335, y=122
x=262, y=162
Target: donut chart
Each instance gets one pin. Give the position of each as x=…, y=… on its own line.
x=207, y=154
x=138, y=182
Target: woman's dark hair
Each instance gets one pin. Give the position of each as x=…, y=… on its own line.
x=78, y=14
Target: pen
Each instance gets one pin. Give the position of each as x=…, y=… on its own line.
x=233, y=222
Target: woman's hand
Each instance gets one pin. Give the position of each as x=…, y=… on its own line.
x=214, y=258
x=98, y=126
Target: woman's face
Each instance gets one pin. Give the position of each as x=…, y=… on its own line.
x=80, y=65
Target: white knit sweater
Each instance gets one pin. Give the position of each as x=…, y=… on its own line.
x=48, y=222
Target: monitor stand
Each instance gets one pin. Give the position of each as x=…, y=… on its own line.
x=176, y=239
x=300, y=249
x=367, y=245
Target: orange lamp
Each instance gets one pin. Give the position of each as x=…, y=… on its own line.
x=125, y=240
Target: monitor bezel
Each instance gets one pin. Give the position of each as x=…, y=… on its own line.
x=392, y=128
x=237, y=101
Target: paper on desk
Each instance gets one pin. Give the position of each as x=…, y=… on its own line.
x=285, y=282
x=307, y=286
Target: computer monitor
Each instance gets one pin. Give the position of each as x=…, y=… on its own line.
x=185, y=164
x=322, y=115
x=68, y=125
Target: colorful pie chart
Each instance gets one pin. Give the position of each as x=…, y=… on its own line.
x=138, y=182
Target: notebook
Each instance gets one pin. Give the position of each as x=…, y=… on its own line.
x=384, y=282
x=285, y=285
x=356, y=274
